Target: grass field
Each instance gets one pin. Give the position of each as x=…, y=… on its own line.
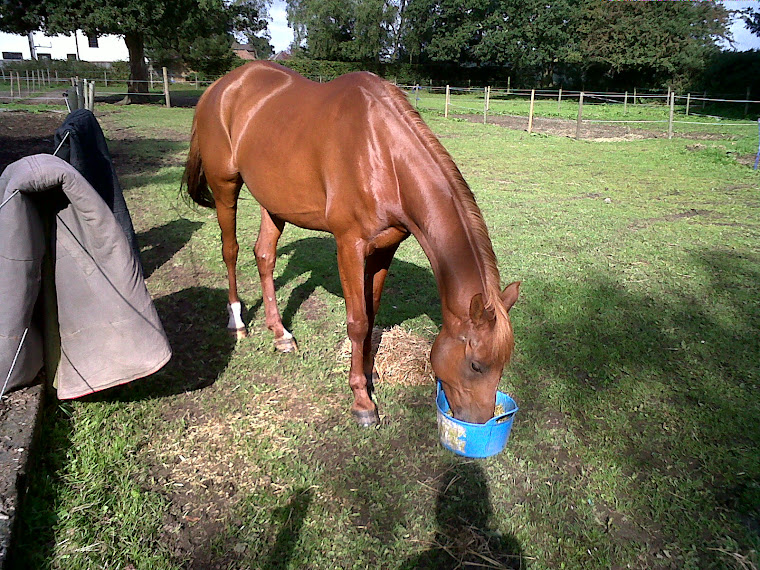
x=636, y=373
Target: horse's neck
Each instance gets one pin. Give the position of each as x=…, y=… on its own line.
x=448, y=241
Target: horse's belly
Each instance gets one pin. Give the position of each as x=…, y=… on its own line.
x=305, y=210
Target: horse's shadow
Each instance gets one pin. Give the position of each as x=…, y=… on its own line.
x=159, y=244
x=464, y=536
x=410, y=290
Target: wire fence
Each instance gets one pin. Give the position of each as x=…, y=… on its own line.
x=667, y=112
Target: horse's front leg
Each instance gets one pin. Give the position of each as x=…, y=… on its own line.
x=351, y=264
x=375, y=272
x=266, y=255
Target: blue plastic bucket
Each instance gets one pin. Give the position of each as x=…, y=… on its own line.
x=475, y=440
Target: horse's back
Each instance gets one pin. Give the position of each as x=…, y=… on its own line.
x=299, y=144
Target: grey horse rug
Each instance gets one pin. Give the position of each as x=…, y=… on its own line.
x=110, y=332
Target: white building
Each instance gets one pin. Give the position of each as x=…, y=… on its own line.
x=103, y=49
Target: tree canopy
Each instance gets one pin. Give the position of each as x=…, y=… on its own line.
x=547, y=42
x=199, y=30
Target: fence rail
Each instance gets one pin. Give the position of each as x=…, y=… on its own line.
x=668, y=109
x=46, y=87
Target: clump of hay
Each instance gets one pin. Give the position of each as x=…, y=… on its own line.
x=401, y=357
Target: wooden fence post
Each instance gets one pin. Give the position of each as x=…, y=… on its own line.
x=634, y=96
x=530, y=114
x=166, y=88
x=559, y=100
x=509, y=85
x=580, y=117
x=448, y=100
x=672, y=109
x=105, y=78
x=485, y=105
x=625, y=104
x=92, y=96
x=704, y=98
x=18, y=83
x=746, y=105
x=688, y=102
x=11, y=75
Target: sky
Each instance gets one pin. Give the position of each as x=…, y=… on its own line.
x=282, y=35
x=743, y=38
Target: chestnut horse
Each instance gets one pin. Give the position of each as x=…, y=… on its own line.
x=353, y=158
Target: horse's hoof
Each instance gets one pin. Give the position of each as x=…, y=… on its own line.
x=237, y=334
x=285, y=345
x=366, y=418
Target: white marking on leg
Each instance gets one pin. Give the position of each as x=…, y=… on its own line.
x=236, y=320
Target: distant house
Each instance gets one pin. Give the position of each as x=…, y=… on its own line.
x=79, y=46
x=244, y=51
x=282, y=56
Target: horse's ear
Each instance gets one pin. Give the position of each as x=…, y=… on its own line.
x=478, y=311
x=476, y=308
x=509, y=295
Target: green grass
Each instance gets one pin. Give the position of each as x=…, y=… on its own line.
x=725, y=119
x=636, y=372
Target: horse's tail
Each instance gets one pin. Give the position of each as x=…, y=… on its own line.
x=194, y=180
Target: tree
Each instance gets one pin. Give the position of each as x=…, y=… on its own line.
x=527, y=35
x=532, y=37
x=654, y=43
x=162, y=22
x=445, y=30
x=343, y=30
x=250, y=20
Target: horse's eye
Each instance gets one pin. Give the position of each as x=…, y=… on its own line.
x=476, y=367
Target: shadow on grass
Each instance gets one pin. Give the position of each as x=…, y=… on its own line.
x=289, y=519
x=664, y=381
x=158, y=245
x=201, y=349
x=34, y=538
x=463, y=514
x=410, y=290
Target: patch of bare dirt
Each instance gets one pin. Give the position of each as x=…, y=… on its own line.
x=24, y=134
x=589, y=131
x=691, y=213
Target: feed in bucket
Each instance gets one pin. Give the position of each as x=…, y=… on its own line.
x=475, y=440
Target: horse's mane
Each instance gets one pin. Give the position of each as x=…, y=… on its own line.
x=472, y=221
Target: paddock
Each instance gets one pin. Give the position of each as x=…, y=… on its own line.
x=635, y=369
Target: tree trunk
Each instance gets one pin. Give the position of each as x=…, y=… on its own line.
x=32, y=49
x=137, y=86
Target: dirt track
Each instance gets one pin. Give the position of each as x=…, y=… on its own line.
x=589, y=131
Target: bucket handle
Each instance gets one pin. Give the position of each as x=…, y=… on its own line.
x=494, y=420
x=502, y=417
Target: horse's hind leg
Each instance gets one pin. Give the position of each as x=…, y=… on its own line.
x=225, y=196
x=266, y=256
